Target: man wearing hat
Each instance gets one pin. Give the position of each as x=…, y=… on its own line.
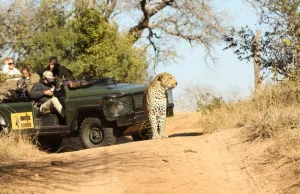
x=43, y=92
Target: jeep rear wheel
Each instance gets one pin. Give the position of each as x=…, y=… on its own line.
x=92, y=134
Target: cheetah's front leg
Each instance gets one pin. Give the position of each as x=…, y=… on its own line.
x=161, y=124
x=154, y=126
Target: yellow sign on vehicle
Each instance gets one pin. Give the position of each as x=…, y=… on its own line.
x=22, y=120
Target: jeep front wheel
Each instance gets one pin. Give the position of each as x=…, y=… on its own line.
x=92, y=134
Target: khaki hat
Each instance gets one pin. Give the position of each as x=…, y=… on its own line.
x=48, y=75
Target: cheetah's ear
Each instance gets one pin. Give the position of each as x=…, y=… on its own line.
x=159, y=78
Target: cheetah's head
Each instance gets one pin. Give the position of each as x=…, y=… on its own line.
x=167, y=81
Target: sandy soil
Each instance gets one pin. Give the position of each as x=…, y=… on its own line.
x=187, y=162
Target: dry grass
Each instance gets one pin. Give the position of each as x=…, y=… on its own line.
x=15, y=147
x=285, y=154
x=275, y=114
x=270, y=113
x=227, y=116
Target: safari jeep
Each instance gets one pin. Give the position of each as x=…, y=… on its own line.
x=97, y=111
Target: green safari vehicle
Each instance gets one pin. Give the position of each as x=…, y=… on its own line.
x=98, y=111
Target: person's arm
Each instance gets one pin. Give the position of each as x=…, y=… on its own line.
x=36, y=92
x=20, y=83
x=16, y=72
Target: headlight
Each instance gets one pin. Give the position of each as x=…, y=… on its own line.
x=118, y=106
x=113, y=107
x=3, y=125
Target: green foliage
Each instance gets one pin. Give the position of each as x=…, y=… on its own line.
x=50, y=15
x=279, y=51
x=2, y=77
x=88, y=45
x=101, y=48
x=58, y=42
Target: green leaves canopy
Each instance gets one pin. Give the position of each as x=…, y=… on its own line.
x=89, y=46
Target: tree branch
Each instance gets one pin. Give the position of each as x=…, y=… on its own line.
x=110, y=7
x=143, y=23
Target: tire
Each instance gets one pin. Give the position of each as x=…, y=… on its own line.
x=50, y=143
x=143, y=135
x=93, y=135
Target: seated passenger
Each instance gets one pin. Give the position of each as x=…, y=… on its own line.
x=26, y=82
x=51, y=65
x=9, y=67
x=58, y=70
x=42, y=92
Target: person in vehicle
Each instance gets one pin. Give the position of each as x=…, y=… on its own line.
x=51, y=66
x=9, y=67
x=25, y=83
x=59, y=71
x=42, y=92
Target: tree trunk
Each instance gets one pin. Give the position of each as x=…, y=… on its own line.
x=257, y=78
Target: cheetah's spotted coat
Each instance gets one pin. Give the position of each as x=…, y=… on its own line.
x=155, y=103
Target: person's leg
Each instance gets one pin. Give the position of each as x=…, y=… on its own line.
x=46, y=106
x=58, y=107
x=53, y=103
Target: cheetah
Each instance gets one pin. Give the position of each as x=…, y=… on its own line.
x=155, y=104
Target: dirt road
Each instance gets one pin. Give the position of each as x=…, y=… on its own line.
x=188, y=162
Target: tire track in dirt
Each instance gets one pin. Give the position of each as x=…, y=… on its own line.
x=186, y=163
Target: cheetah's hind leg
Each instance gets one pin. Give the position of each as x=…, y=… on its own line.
x=162, y=125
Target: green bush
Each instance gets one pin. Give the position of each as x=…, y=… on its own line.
x=2, y=77
x=87, y=45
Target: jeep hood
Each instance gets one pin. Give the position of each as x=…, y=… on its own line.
x=118, y=89
x=126, y=88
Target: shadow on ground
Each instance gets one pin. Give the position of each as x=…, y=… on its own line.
x=186, y=134
x=60, y=173
x=73, y=143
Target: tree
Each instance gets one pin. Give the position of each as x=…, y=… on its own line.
x=15, y=22
x=279, y=44
x=159, y=25
x=159, y=21
x=88, y=45
x=198, y=98
x=21, y=19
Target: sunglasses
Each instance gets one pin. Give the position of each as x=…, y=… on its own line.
x=10, y=63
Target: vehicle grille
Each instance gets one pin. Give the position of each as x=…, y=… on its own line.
x=138, y=100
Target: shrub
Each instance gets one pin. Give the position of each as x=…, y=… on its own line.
x=272, y=112
x=2, y=77
x=16, y=146
x=209, y=102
